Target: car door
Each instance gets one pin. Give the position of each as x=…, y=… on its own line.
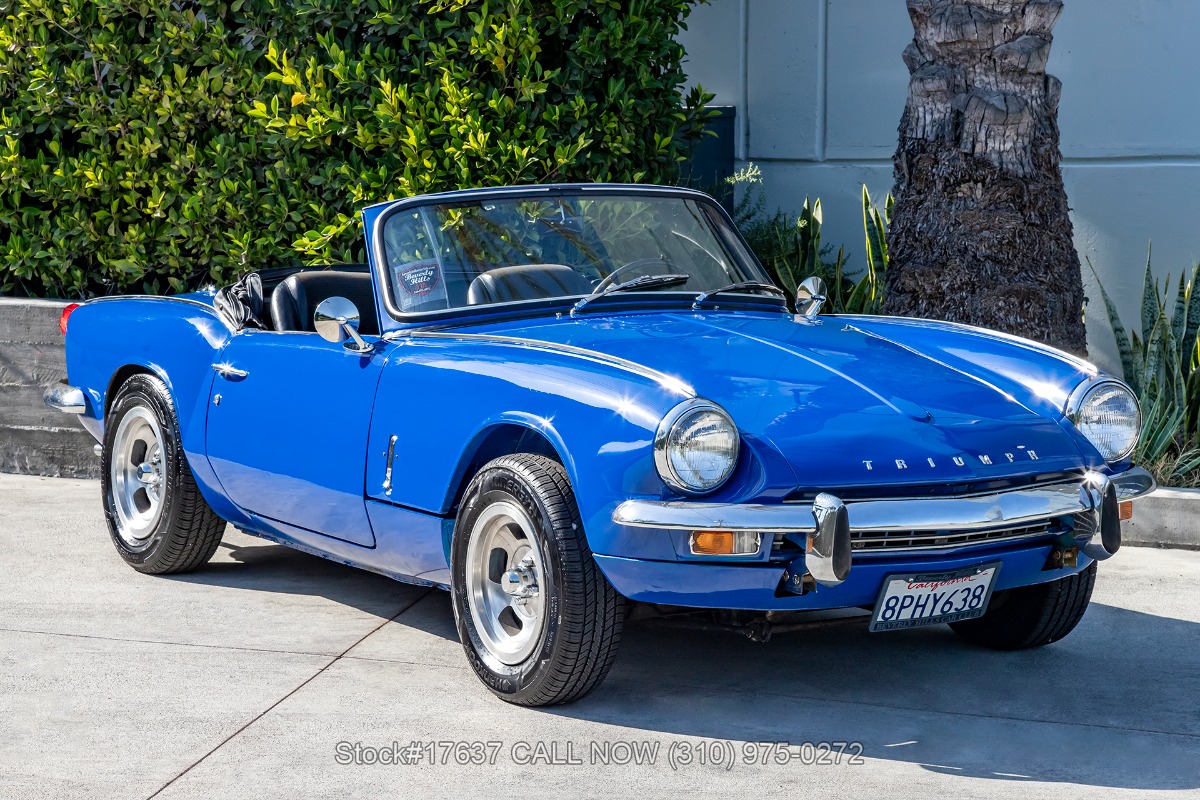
x=288, y=420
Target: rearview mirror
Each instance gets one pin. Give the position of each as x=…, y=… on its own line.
x=336, y=320
x=810, y=296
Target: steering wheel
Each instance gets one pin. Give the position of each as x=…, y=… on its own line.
x=611, y=278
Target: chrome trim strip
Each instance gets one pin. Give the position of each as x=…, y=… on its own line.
x=65, y=398
x=668, y=382
x=952, y=513
x=208, y=306
x=110, y=297
x=687, y=516
x=965, y=513
x=943, y=513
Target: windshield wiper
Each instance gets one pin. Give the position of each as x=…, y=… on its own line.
x=743, y=286
x=642, y=282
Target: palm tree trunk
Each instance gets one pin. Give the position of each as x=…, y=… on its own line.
x=980, y=232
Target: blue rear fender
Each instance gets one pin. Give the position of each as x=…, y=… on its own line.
x=176, y=339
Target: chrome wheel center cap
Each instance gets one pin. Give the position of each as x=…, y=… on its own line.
x=520, y=582
x=147, y=474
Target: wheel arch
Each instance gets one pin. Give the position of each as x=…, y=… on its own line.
x=124, y=373
x=514, y=433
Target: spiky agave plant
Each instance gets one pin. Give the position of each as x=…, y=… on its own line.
x=1161, y=363
x=866, y=294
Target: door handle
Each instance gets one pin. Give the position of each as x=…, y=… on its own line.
x=230, y=372
x=391, y=456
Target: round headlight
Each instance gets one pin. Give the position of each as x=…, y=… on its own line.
x=1107, y=413
x=696, y=447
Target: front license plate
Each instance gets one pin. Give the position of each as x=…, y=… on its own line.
x=933, y=598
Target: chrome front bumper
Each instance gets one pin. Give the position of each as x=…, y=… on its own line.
x=65, y=398
x=829, y=522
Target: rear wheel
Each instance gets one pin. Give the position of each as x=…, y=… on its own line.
x=156, y=516
x=538, y=620
x=1031, y=616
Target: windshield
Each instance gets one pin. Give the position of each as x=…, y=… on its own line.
x=505, y=250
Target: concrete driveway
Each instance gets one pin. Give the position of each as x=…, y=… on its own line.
x=256, y=676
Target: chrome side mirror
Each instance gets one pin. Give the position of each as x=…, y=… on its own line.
x=810, y=296
x=336, y=320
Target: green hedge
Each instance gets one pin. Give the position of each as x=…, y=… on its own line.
x=148, y=145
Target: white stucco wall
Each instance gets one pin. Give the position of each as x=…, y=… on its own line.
x=819, y=87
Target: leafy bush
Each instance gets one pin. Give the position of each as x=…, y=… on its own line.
x=1161, y=363
x=151, y=145
x=790, y=246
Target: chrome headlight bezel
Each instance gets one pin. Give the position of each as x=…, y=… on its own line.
x=662, y=444
x=1077, y=403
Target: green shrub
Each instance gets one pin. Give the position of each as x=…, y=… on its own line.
x=155, y=145
x=790, y=248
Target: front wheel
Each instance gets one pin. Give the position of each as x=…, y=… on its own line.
x=1031, y=616
x=538, y=620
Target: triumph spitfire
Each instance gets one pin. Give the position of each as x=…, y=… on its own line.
x=559, y=402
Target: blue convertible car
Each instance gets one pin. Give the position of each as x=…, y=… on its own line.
x=559, y=402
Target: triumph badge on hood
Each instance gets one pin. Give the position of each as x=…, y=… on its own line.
x=1022, y=453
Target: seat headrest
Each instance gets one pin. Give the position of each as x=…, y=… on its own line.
x=526, y=282
x=297, y=297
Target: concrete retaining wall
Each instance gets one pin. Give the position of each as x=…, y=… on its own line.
x=1167, y=518
x=36, y=440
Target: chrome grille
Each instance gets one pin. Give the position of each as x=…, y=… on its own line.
x=864, y=542
x=850, y=494
x=894, y=541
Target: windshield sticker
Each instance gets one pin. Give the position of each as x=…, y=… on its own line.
x=418, y=279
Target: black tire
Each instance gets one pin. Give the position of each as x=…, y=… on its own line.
x=186, y=532
x=582, y=614
x=1031, y=616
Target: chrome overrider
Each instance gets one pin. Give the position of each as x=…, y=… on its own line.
x=66, y=398
x=829, y=522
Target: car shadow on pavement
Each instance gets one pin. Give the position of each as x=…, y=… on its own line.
x=1115, y=704
x=261, y=566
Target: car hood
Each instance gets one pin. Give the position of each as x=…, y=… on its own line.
x=842, y=404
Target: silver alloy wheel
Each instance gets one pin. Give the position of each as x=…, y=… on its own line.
x=136, y=472
x=503, y=577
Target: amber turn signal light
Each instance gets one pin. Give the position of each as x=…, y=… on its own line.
x=1126, y=509
x=724, y=543
x=712, y=543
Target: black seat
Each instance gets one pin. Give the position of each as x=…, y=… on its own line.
x=296, y=298
x=526, y=282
